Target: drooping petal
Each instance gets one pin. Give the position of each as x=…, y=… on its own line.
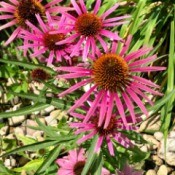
x=74, y=87
x=83, y=98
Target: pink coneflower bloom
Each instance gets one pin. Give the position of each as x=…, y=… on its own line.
x=129, y=171
x=19, y=11
x=40, y=39
x=88, y=27
x=114, y=79
x=112, y=132
x=74, y=163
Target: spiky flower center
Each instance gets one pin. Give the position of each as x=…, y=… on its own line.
x=111, y=72
x=50, y=41
x=39, y=75
x=88, y=24
x=78, y=167
x=107, y=131
x=26, y=10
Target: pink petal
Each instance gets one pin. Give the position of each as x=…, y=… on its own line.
x=94, y=48
x=103, y=109
x=148, y=69
x=7, y=10
x=77, y=115
x=142, y=95
x=110, y=145
x=108, y=12
x=143, y=61
x=110, y=34
x=93, y=106
x=99, y=143
x=126, y=45
x=115, y=24
x=50, y=59
x=86, y=49
x=77, y=47
x=33, y=27
x=83, y=6
x=145, y=81
x=6, y=5
x=74, y=75
x=114, y=47
x=9, y=24
x=43, y=26
x=69, y=16
x=53, y=2
x=147, y=89
x=39, y=52
x=86, y=137
x=137, y=54
x=14, y=2
x=74, y=87
x=109, y=110
x=68, y=40
x=77, y=8
x=82, y=99
x=137, y=100
x=116, y=18
x=102, y=42
x=73, y=69
x=13, y=36
x=130, y=106
x=97, y=6
x=6, y=16
x=120, y=109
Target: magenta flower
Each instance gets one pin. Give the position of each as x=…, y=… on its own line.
x=40, y=39
x=74, y=163
x=19, y=11
x=112, y=132
x=114, y=80
x=88, y=27
x=129, y=171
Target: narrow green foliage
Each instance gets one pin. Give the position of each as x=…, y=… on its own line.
x=92, y=156
x=24, y=111
x=49, y=160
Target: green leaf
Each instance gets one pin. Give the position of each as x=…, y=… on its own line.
x=24, y=110
x=48, y=130
x=132, y=135
x=25, y=140
x=59, y=103
x=7, y=71
x=137, y=155
x=31, y=166
x=97, y=167
x=91, y=156
x=138, y=16
x=32, y=147
x=49, y=160
x=28, y=65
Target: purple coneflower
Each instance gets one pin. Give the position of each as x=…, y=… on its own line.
x=74, y=163
x=19, y=11
x=113, y=79
x=40, y=39
x=88, y=26
x=128, y=170
x=112, y=132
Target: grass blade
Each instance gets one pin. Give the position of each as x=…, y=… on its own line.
x=91, y=156
x=24, y=110
x=50, y=158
